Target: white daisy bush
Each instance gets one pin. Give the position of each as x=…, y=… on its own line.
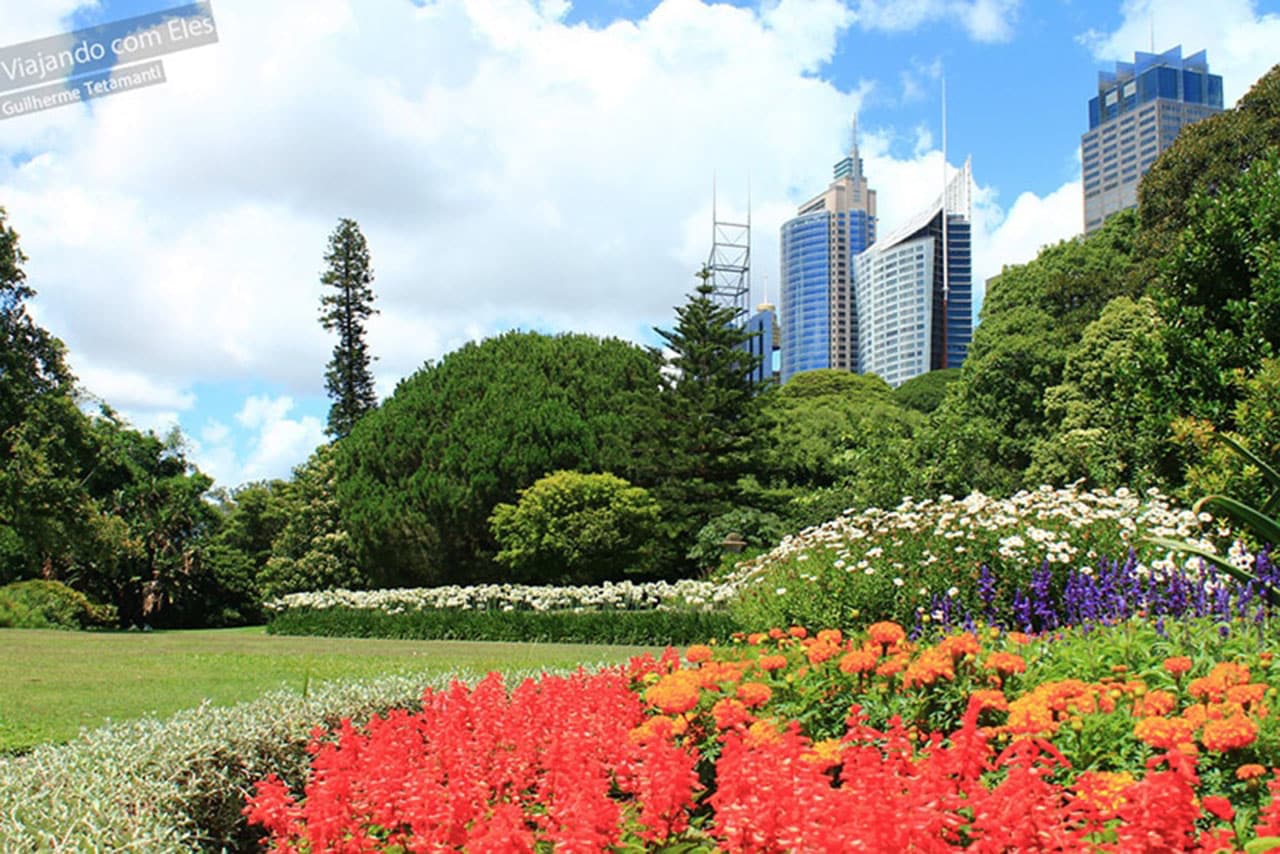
x=923, y=557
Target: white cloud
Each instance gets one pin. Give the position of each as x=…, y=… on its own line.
x=22, y=22
x=133, y=390
x=274, y=442
x=984, y=20
x=215, y=432
x=1030, y=224
x=1240, y=42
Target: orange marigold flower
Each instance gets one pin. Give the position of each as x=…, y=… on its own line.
x=1155, y=704
x=772, y=662
x=886, y=633
x=762, y=732
x=890, y=667
x=673, y=696
x=699, y=652
x=820, y=652
x=754, y=694
x=1164, y=733
x=798, y=632
x=730, y=713
x=1219, y=806
x=711, y=674
x=776, y=633
x=834, y=636
x=1019, y=637
x=986, y=698
x=1233, y=732
x=1251, y=771
x=929, y=667
x=1103, y=790
x=858, y=661
x=657, y=728
x=960, y=645
x=756, y=638
x=1005, y=663
x=1223, y=676
x=1246, y=694
x=824, y=754
x=1177, y=665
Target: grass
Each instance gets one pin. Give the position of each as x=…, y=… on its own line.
x=56, y=682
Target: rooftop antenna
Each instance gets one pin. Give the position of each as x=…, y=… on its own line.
x=729, y=264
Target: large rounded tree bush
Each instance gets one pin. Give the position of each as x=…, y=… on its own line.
x=418, y=478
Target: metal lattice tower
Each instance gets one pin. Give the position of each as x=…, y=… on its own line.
x=730, y=260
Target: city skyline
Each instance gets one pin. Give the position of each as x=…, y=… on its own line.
x=518, y=163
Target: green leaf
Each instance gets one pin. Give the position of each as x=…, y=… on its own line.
x=1235, y=572
x=1264, y=527
x=1269, y=472
x=1261, y=844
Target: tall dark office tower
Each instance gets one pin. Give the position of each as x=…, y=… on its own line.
x=1137, y=113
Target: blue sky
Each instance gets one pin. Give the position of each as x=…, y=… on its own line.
x=518, y=163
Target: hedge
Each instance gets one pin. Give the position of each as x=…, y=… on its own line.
x=641, y=628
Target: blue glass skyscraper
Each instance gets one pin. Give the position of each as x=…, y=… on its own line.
x=818, y=313
x=1138, y=112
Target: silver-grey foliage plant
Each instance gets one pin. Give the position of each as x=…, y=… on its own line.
x=179, y=784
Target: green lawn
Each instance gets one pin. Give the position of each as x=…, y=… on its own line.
x=52, y=683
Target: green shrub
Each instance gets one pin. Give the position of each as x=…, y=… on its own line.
x=179, y=784
x=575, y=528
x=640, y=628
x=40, y=604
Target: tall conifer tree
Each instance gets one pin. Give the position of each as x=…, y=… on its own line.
x=706, y=417
x=348, y=377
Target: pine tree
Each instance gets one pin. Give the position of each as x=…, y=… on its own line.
x=348, y=377
x=706, y=418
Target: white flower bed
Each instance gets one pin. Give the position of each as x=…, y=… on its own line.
x=1068, y=526
x=620, y=596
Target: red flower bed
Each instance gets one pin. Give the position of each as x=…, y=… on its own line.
x=592, y=762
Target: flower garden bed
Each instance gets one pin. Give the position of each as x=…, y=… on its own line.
x=788, y=741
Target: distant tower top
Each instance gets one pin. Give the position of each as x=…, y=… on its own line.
x=851, y=166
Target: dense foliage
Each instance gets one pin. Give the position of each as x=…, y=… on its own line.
x=654, y=627
x=418, y=478
x=40, y=604
x=574, y=528
x=701, y=428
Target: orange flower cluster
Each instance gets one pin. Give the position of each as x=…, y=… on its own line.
x=1225, y=717
x=1005, y=663
x=1042, y=710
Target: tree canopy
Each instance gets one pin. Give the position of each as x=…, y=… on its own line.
x=418, y=478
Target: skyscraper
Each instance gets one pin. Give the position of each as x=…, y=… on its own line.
x=819, y=321
x=914, y=291
x=1137, y=113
